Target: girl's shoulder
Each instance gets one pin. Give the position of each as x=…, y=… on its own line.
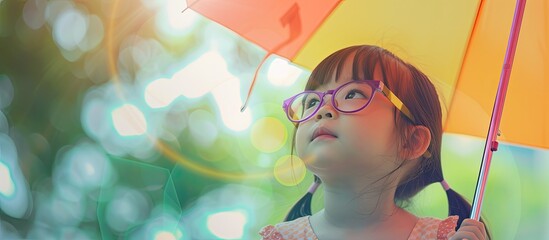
x=295, y=229
x=433, y=228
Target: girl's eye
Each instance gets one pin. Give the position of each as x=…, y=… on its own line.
x=311, y=103
x=355, y=94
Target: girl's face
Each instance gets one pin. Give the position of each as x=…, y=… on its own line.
x=363, y=145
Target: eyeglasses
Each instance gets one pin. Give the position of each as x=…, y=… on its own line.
x=350, y=97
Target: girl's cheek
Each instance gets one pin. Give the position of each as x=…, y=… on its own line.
x=300, y=142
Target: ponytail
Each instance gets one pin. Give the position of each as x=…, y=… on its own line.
x=303, y=206
x=458, y=205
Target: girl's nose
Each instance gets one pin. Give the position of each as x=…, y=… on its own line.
x=326, y=111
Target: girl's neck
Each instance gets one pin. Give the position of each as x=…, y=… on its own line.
x=355, y=213
x=350, y=208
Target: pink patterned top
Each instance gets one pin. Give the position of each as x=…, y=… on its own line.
x=425, y=228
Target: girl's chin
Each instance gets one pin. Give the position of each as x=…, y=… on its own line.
x=328, y=169
x=319, y=160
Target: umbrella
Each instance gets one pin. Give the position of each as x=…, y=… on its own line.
x=461, y=45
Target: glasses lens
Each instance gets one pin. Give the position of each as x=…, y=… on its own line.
x=303, y=106
x=353, y=96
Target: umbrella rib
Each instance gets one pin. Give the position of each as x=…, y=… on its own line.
x=464, y=56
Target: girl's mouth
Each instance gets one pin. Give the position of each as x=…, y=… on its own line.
x=323, y=133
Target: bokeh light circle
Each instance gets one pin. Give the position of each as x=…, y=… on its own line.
x=33, y=13
x=15, y=197
x=6, y=91
x=8, y=231
x=64, y=212
x=228, y=224
x=129, y=120
x=289, y=170
x=202, y=128
x=128, y=208
x=4, y=127
x=86, y=167
x=70, y=28
x=283, y=73
x=268, y=134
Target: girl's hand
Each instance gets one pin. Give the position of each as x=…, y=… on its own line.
x=470, y=229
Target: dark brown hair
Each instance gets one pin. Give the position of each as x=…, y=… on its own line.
x=418, y=93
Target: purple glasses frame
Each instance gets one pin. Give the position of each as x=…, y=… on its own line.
x=377, y=86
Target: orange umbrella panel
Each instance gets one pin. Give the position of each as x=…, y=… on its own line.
x=280, y=27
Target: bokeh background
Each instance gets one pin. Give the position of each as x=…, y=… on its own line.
x=120, y=119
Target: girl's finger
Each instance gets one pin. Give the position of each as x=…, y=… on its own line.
x=476, y=226
x=474, y=231
x=464, y=235
x=472, y=222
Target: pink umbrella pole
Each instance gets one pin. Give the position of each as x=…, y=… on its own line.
x=491, y=141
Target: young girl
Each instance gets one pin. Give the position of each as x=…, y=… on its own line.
x=369, y=127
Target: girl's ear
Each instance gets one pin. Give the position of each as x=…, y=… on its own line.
x=416, y=142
